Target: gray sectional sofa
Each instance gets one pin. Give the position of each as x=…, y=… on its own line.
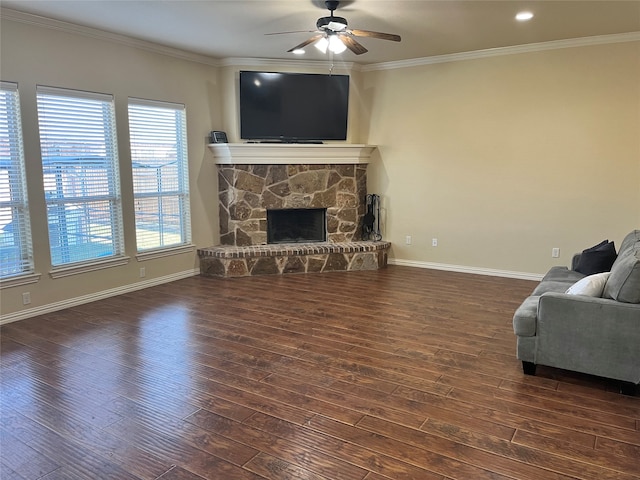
x=593, y=329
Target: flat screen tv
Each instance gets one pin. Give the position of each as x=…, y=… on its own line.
x=293, y=107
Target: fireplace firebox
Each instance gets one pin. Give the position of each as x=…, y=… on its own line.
x=297, y=225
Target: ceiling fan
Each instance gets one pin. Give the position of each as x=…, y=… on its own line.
x=333, y=33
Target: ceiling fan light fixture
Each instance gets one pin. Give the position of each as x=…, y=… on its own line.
x=332, y=43
x=322, y=44
x=336, y=45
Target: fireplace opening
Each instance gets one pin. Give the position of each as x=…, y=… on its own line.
x=297, y=225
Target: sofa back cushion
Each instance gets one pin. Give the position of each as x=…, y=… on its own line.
x=623, y=284
x=631, y=242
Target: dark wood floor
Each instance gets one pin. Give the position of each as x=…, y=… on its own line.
x=398, y=374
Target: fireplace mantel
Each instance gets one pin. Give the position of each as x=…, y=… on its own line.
x=290, y=153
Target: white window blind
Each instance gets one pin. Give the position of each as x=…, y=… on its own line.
x=158, y=136
x=80, y=168
x=16, y=254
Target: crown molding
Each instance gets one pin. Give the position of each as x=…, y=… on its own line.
x=39, y=21
x=500, y=51
x=91, y=32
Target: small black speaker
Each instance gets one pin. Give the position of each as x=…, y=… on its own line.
x=218, y=137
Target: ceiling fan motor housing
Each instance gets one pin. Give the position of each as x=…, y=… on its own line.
x=322, y=22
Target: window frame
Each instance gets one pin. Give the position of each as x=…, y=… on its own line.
x=140, y=129
x=18, y=201
x=101, y=173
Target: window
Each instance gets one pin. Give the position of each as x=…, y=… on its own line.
x=80, y=168
x=160, y=174
x=16, y=254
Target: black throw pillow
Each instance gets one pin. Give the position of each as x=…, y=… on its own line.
x=597, y=259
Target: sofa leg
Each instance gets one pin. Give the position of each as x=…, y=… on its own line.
x=628, y=388
x=529, y=368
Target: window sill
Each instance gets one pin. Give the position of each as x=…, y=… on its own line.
x=68, y=270
x=20, y=280
x=164, y=252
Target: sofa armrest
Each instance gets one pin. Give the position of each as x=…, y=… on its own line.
x=591, y=335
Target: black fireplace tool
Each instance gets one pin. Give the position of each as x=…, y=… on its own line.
x=371, y=220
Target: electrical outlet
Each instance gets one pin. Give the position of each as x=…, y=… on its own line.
x=555, y=252
x=26, y=298
x=407, y=240
x=434, y=242
x=143, y=272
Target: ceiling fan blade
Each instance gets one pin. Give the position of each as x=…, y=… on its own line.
x=380, y=35
x=352, y=45
x=295, y=31
x=306, y=42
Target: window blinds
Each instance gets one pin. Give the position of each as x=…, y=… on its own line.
x=80, y=168
x=158, y=138
x=16, y=255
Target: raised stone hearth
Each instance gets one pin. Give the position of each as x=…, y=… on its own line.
x=278, y=259
x=254, y=179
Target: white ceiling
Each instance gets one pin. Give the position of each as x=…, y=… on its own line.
x=237, y=28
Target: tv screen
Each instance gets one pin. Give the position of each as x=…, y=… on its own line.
x=293, y=107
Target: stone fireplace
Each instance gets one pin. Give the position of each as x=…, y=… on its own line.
x=256, y=182
x=247, y=192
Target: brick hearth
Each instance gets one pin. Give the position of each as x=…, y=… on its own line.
x=229, y=261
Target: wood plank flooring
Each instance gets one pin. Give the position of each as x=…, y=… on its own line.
x=400, y=373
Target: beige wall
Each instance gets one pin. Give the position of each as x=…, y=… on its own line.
x=504, y=158
x=33, y=55
x=500, y=158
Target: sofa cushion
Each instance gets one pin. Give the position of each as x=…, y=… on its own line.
x=623, y=284
x=631, y=242
x=591, y=286
x=562, y=274
x=557, y=286
x=557, y=279
x=597, y=259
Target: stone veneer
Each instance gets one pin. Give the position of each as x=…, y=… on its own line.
x=274, y=259
x=247, y=191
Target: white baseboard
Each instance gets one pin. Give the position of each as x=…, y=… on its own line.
x=465, y=269
x=72, y=302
